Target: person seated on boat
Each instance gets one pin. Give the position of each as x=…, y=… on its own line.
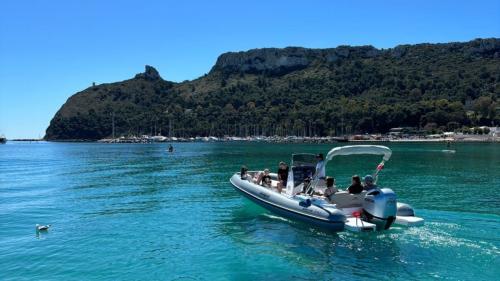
x=355, y=187
x=265, y=180
x=330, y=188
x=369, y=183
x=282, y=176
x=244, y=173
x=257, y=178
x=305, y=185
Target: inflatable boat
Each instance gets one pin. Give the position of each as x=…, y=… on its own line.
x=302, y=199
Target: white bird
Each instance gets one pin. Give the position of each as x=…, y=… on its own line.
x=42, y=227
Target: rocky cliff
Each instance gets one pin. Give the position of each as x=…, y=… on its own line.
x=299, y=91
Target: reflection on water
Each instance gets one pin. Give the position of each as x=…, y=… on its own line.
x=313, y=250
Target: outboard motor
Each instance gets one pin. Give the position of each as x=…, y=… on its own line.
x=379, y=207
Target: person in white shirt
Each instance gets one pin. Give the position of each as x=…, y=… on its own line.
x=320, y=167
x=320, y=174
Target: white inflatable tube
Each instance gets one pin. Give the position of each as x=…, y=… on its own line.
x=409, y=221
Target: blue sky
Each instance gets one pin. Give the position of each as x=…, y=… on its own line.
x=50, y=50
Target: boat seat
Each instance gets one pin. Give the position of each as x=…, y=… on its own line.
x=274, y=183
x=344, y=199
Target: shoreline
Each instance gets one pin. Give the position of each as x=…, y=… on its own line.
x=475, y=139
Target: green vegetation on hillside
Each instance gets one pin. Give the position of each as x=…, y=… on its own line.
x=297, y=91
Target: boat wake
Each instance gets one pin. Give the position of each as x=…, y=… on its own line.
x=443, y=235
x=276, y=218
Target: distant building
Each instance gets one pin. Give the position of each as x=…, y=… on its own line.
x=395, y=131
x=434, y=136
x=495, y=131
x=403, y=131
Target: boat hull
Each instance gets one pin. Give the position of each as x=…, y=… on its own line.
x=331, y=219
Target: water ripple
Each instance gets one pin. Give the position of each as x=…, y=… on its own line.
x=135, y=212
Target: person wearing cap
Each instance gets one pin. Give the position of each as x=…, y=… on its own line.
x=320, y=167
x=369, y=183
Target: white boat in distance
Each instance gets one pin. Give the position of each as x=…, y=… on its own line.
x=376, y=209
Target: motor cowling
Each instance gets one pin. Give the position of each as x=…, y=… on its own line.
x=379, y=207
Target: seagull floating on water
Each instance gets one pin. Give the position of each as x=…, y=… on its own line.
x=42, y=227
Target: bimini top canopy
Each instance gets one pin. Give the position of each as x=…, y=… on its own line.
x=360, y=149
x=304, y=159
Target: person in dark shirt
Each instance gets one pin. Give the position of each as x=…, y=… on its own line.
x=356, y=186
x=244, y=173
x=282, y=176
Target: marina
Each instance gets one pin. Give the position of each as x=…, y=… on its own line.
x=297, y=139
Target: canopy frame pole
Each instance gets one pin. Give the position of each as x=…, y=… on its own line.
x=377, y=170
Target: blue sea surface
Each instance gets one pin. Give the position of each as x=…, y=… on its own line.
x=136, y=212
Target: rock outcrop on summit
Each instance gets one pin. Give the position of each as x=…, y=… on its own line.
x=150, y=74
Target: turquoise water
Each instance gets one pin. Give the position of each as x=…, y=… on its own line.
x=135, y=212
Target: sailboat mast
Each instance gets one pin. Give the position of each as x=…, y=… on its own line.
x=113, y=124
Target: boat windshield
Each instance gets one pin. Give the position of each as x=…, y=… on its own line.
x=303, y=166
x=304, y=159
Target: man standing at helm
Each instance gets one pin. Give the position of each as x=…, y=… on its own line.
x=320, y=167
x=320, y=175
